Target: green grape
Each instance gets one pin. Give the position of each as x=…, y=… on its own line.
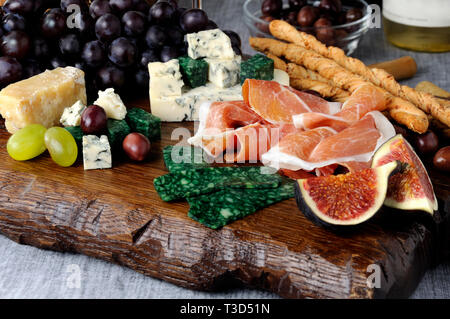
x=61, y=146
x=27, y=143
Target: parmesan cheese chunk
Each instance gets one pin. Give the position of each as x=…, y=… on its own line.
x=42, y=98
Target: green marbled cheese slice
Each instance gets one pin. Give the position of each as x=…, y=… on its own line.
x=223, y=207
x=194, y=182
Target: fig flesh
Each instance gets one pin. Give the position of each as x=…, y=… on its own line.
x=346, y=199
x=410, y=189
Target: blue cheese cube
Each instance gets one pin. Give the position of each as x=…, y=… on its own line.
x=72, y=115
x=165, y=79
x=224, y=73
x=112, y=104
x=96, y=152
x=213, y=44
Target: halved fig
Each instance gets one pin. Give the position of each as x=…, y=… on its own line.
x=410, y=189
x=346, y=199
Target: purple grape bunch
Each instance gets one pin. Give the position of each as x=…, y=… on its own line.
x=111, y=40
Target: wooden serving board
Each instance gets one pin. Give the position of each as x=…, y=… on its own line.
x=116, y=215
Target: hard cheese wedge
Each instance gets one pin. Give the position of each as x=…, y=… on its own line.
x=223, y=207
x=42, y=98
x=194, y=182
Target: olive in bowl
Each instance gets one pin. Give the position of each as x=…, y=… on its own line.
x=339, y=23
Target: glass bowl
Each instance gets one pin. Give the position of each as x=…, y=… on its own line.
x=345, y=36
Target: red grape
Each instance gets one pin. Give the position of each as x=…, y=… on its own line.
x=120, y=6
x=148, y=56
x=12, y=21
x=169, y=53
x=110, y=77
x=15, y=44
x=234, y=37
x=122, y=52
x=173, y=3
x=162, y=12
x=107, y=27
x=156, y=36
x=53, y=24
x=40, y=48
x=93, y=53
x=193, y=20
x=141, y=78
x=141, y=6
x=99, y=8
x=10, y=70
x=19, y=6
x=134, y=23
x=69, y=45
x=93, y=120
x=211, y=25
x=175, y=35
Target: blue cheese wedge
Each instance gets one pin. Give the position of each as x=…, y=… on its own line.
x=165, y=79
x=224, y=73
x=187, y=106
x=96, y=152
x=112, y=104
x=72, y=115
x=213, y=44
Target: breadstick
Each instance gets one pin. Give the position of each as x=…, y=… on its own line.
x=284, y=31
x=277, y=62
x=323, y=88
x=297, y=71
x=400, y=110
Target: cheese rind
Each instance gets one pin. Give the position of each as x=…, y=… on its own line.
x=187, y=106
x=41, y=99
x=214, y=44
x=112, y=104
x=224, y=73
x=72, y=115
x=165, y=79
x=96, y=152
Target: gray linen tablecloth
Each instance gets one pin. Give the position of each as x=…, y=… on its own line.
x=27, y=272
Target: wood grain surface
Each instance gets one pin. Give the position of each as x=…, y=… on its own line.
x=117, y=216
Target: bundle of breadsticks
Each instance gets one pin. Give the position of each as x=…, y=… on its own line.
x=312, y=65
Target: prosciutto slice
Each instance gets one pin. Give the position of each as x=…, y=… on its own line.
x=277, y=103
x=365, y=99
x=233, y=128
x=354, y=145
